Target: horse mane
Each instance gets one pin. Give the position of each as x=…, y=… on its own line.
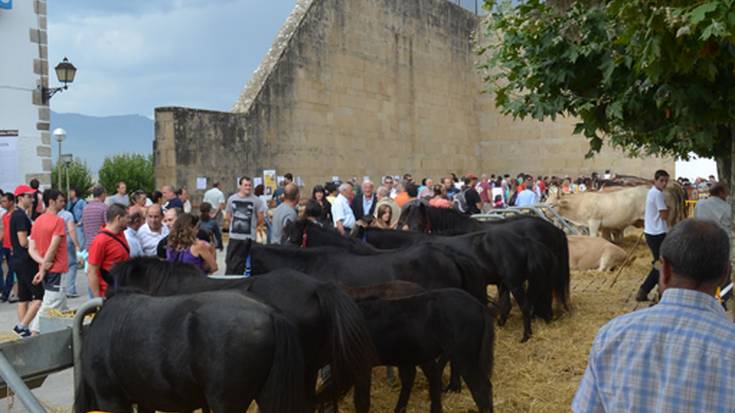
x=151, y=268
x=386, y=291
x=447, y=219
x=354, y=245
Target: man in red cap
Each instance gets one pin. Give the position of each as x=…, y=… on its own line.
x=29, y=295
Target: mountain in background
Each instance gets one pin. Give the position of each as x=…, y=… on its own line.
x=92, y=138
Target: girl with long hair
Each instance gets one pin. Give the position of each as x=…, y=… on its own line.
x=183, y=245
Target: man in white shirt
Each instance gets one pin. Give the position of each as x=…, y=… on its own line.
x=216, y=198
x=153, y=231
x=135, y=221
x=655, y=228
x=342, y=215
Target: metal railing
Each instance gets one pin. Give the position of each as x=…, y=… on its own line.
x=25, y=364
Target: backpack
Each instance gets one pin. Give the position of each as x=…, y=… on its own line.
x=460, y=202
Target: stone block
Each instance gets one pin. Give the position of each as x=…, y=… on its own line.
x=44, y=114
x=35, y=35
x=37, y=97
x=46, y=164
x=39, y=7
x=43, y=126
x=46, y=138
x=43, y=52
x=43, y=151
x=43, y=178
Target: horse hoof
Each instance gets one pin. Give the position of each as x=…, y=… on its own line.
x=525, y=338
x=501, y=322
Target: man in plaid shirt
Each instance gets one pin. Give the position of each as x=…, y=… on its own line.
x=679, y=355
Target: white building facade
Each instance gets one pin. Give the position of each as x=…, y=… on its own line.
x=25, y=140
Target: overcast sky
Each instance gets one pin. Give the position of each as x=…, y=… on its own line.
x=135, y=55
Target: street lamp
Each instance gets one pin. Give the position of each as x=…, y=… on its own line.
x=65, y=72
x=60, y=135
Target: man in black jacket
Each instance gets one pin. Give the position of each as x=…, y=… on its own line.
x=364, y=204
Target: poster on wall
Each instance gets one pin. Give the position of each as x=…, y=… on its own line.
x=201, y=182
x=9, y=163
x=6, y=4
x=270, y=183
x=257, y=181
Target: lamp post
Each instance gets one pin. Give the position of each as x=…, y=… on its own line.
x=65, y=72
x=67, y=159
x=60, y=135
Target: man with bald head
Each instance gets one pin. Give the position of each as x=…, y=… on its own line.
x=285, y=212
x=153, y=231
x=364, y=203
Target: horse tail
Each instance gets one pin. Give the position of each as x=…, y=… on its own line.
x=562, y=277
x=542, y=279
x=285, y=382
x=487, y=343
x=353, y=353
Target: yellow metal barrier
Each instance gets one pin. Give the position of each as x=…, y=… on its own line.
x=689, y=206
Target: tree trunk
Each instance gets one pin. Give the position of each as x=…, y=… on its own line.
x=725, y=158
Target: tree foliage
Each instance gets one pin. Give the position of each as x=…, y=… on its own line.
x=647, y=76
x=79, y=177
x=135, y=169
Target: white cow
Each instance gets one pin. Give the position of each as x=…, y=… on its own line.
x=612, y=211
x=592, y=253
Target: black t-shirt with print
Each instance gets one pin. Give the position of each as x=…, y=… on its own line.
x=19, y=221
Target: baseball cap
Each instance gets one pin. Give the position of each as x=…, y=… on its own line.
x=23, y=189
x=471, y=176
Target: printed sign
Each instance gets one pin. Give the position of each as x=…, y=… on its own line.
x=9, y=163
x=270, y=183
x=6, y=4
x=201, y=182
x=8, y=132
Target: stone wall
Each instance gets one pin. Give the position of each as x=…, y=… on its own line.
x=370, y=87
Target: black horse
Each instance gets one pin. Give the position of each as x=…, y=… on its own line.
x=331, y=327
x=413, y=328
x=418, y=216
x=503, y=258
x=214, y=350
x=431, y=266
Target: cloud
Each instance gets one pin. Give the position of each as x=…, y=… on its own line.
x=133, y=56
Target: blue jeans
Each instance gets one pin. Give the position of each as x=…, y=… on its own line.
x=6, y=282
x=71, y=275
x=80, y=236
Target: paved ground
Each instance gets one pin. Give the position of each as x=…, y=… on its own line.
x=56, y=393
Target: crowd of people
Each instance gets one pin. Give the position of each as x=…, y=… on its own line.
x=47, y=234
x=102, y=230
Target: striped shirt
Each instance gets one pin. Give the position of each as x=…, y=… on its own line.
x=93, y=218
x=677, y=356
